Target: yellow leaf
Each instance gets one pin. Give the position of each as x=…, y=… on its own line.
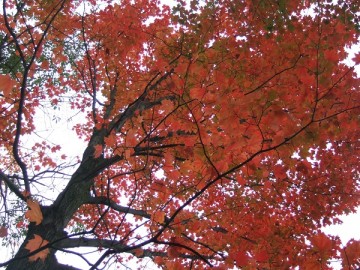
x=34, y=213
x=34, y=244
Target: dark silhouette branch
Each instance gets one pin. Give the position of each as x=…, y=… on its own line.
x=118, y=247
x=11, y=186
x=117, y=207
x=273, y=76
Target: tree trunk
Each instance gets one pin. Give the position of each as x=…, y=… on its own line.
x=57, y=215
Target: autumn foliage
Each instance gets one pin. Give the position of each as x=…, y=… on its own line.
x=219, y=133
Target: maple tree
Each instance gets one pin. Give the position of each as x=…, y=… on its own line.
x=219, y=133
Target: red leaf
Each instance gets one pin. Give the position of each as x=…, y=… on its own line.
x=159, y=217
x=261, y=256
x=138, y=252
x=98, y=150
x=127, y=153
x=280, y=172
x=167, y=105
x=356, y=58
x=6, y=84
x=331, y=55
x=241, y=258
x=197, y=93
x=322, y=244
x=267, y=184
x=3, y=231
x=173, y=251
x=351, y=254
x=241, y=180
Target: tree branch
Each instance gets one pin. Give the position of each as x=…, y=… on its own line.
x=119, y=247
x=140, y=103
x=273, y=76
x=124, y=209
x=11, y=186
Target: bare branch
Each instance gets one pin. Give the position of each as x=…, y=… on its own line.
x=11, y=186
x=118, y=247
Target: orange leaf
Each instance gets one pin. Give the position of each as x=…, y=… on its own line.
x=131, y=139
x=139, y=252
x=159, y=216
x=189, y=141
x=127, y=153
x=6, y=84
x=222, y=165
x=267, y=184
x=34, y=213
x=167, y=106
x=98, y=150
x=197, y=93
x=201, y=185
x=34, y=244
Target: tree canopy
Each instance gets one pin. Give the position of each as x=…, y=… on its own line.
x=219, y=133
